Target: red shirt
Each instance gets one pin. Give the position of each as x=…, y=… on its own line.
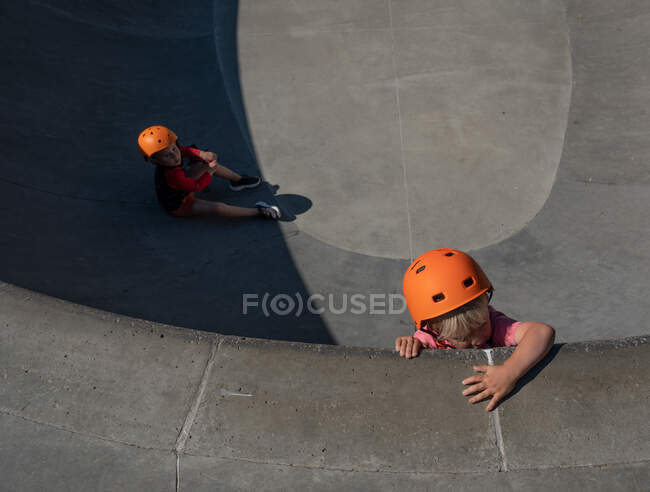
x=177, y=180
x=172, y=185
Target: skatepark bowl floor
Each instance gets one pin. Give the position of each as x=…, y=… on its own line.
x=140, y=351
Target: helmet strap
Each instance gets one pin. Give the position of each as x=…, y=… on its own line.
x=490, y=292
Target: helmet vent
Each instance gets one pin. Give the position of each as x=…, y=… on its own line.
x=468, y=282
x=439, y=297
x=420, y=269
x=414, y=265
x=450, y=254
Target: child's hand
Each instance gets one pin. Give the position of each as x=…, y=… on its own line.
x=408, y=346
x=496, y=382
x=207, y=156
x=213, y=164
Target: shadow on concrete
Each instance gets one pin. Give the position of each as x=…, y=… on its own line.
x=79, y=214
x=533, y=373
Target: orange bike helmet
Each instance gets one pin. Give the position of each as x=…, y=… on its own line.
x=154, y=139
x=440, y=281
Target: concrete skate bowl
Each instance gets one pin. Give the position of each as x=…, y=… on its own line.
x=383, y=129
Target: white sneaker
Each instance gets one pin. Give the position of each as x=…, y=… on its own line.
x=268, y=211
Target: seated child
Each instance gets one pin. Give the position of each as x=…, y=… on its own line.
x=447, y=294
x=176, y=184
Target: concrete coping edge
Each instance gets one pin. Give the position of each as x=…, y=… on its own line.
x=198, y=336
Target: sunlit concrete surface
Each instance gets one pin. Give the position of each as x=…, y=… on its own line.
x=408, y=123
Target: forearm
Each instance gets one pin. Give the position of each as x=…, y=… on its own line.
x=217, y=169
x=532, y=348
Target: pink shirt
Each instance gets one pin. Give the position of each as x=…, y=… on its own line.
x=503, y=332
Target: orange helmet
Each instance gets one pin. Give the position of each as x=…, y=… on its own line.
x=440, y=281
x=154, y=139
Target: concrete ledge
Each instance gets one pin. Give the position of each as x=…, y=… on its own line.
x=94, y=395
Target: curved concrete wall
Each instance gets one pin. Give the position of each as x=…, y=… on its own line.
x=94, y=400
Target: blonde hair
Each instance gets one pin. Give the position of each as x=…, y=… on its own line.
x=461, y=322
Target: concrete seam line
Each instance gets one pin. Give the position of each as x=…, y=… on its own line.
x=414, y=472
x=496, y=419
x=335, y=468
x=79, y=19
x=297, y=31
x=401, y=130
x=178, y=472
x=194, y=409
x=74, y=197
x=10, y=413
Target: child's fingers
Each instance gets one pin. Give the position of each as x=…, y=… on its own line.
x=493, y=403
x=474, y=389
x=480, y=397
x=473, y=379
x=409, y=348
x=404, y=348
x=481, y=368
x=399, y=343
x=415, y=349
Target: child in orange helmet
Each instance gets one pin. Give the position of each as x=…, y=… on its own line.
x=447, y=294
x=176, y=184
